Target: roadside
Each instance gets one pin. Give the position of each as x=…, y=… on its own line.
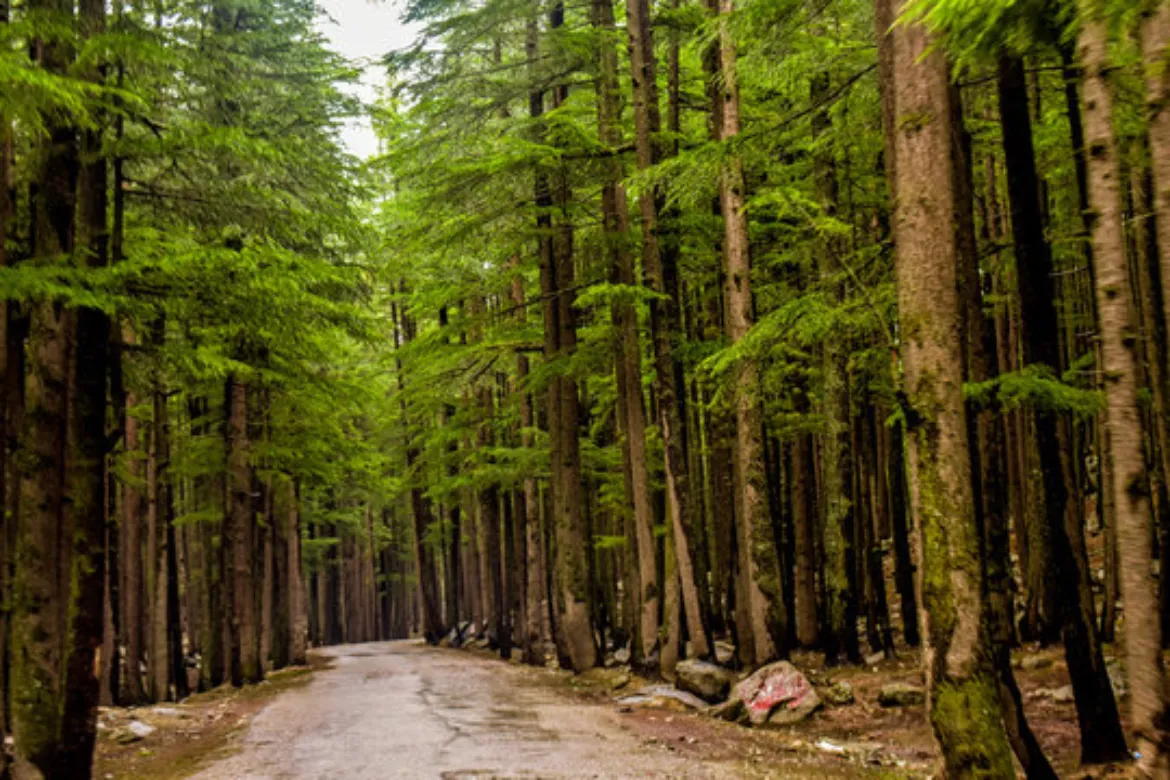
x=174, y=740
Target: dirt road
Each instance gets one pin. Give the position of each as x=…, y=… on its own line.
x=400, y=710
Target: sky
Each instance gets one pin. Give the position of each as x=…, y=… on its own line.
x=365, y=30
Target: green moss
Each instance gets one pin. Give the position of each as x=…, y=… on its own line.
x=966, y=720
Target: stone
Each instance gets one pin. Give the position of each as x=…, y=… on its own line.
x=141, y=729
x=777, y=694
x=839, y=694
x=828, y=746
x=661, y=697
x=621, y=656
x=1117, y=678
x=724, y=653
x=704, y=679
x=1032, y=663
x=873, y=659
x=1063, y=695
x=167, y=712
x=134, y=731
x=901, y=695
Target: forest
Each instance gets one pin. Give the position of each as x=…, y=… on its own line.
x=824, y=325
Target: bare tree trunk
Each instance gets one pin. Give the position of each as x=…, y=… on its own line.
x=840, y=608
x=41, y=592
x=962, y=687
x=805, y=512
x=628, y=355
x=1143, y=642
x=245, y=662
x=756, y=549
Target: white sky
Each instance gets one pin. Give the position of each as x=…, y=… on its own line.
x=364, y=31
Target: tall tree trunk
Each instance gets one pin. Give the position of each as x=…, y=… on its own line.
x=1156, y=48
x=158, y=559
x=628, y=354
x=1129, y=485
x=6, y=431
x=132, y=520
x=299, y=618
x=805, y=521
x=1101, y=736
x=985, y=444
x=756, y=549
x=660, y=267
x=557, y=276
x=239, y=533
x=962, y=688
x=41, y=586
x=840, y=608
x=85, y=512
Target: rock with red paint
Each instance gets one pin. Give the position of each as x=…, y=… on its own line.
x=777, y=694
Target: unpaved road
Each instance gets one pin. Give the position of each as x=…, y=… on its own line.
x=401, y=710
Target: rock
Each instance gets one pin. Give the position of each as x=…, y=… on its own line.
x=133, y=732
x=706, y=680
x=839, y=694
x=141, y=729
x=1117, y=679
x=724, y=653
x=661, y=696
x=1063, y=695
x=167, y=712
x=1031, y=663
x=828, y=746
x=901, y=695
x=873, y=659
x=776, y=694
x=621, y=655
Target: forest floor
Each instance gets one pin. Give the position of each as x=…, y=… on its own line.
x=401, y=709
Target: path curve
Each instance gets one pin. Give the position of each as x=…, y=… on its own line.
x=403, y=710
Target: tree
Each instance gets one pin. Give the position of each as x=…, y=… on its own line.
x=963, y=697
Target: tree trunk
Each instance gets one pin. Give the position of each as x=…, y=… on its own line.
x=41, y=586
x=756, y=549
x=238, y=536
x=962, y=688
x=628, y=354
x=557, y=276
x=805, y=521
x=1101, y=736
x=840, y=607
x=1129, y=486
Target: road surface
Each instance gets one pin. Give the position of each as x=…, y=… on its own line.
x=402, y=710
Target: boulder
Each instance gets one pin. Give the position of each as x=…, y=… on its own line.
x=839, y=694
x=704, y=679
x=621, y=655
x=724, y=652
x=777, y=694
x=901, y=695
x=661, y=697
x=1063, y=695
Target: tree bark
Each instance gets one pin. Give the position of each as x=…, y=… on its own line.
x=1130, y=485
x=840, y=607
x=1101, y=736
x=245, y=661
x=628, y=355
x=756, y=550
x=963, y=698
